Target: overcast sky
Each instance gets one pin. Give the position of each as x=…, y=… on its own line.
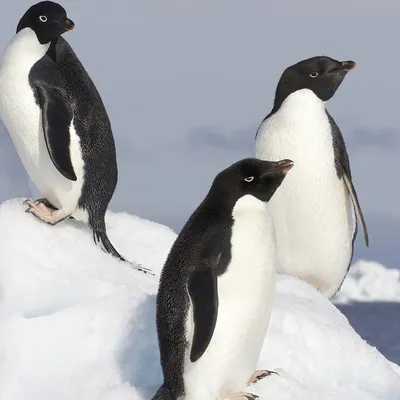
x=187, y=83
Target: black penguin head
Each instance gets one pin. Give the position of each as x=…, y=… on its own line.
x=47, y=19
x=323, y=75
x=249, y=176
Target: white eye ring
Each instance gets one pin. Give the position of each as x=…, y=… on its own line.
x=249, y=178
x=314, y=74
x=43, y=18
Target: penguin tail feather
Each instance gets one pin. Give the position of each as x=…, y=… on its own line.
x=164, y=394
x=102, y=240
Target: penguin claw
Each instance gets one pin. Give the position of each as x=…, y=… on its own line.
x=28, y=202
x=243, y=396
x=43, y=203
x=260, y=374
x=44, y=214
x=46, y=203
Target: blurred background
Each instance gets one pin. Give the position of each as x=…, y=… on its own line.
x=187, y=83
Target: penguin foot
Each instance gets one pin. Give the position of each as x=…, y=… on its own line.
x=45, y=214
x=39, y=205
x=45, y=202
x=260, y=374
x=242, y=396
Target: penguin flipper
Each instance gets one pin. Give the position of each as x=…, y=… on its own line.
x=357, y=207
x=204, y=295
x=56, y=121
x=342, y=164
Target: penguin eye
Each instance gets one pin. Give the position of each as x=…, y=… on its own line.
x=43, y=18
x=314, y=74
x=249, y=178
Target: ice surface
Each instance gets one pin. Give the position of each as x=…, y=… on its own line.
x=77, y=324
x=370, y=281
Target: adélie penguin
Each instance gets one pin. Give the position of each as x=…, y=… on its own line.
x=217, y=286
x=313, y=211
x=58, y=123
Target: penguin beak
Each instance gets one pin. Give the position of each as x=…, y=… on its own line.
x=283, y=167
x=347, y=65
x=69, y=25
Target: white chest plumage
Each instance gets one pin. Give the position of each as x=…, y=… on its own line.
x=312, y=211
x=245, y=293
x=22, y=118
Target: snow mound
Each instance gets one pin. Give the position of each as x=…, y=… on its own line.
x=77, y=324
x=370, y=281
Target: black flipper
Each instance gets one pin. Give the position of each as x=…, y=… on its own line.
x=203, y=292
x=357, y=207
x=56, y=120
x=342, y=165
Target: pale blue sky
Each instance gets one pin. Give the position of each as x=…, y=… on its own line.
x=187, y=83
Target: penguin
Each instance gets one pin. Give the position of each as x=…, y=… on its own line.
x=217, y=286
x=315, y=210
x=58, y=123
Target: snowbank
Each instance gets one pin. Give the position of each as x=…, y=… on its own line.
x=370, y=281
x=77, y=324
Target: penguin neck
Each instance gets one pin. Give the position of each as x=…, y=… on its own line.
x=24, y=50
x=221, y=205
x=248, y=203
x=302, y=103
x=302, y=100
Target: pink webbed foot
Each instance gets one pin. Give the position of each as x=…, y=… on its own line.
x=260, y=374
x=46, y=203
x=49, y=215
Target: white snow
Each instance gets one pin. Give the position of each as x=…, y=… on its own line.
x=77, y=324
x=370, y=281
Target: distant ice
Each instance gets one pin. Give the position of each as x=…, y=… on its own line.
x=370, y=281
x=77, y=324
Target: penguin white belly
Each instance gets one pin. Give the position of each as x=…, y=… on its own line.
x=312, y=211
x=22, y=118
x=245, y=294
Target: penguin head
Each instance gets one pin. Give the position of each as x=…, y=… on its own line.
x=323, y=75
x=47, y=19
x=249, y=176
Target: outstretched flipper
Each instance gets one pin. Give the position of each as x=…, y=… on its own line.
x=56, y=120
x=356, y=204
